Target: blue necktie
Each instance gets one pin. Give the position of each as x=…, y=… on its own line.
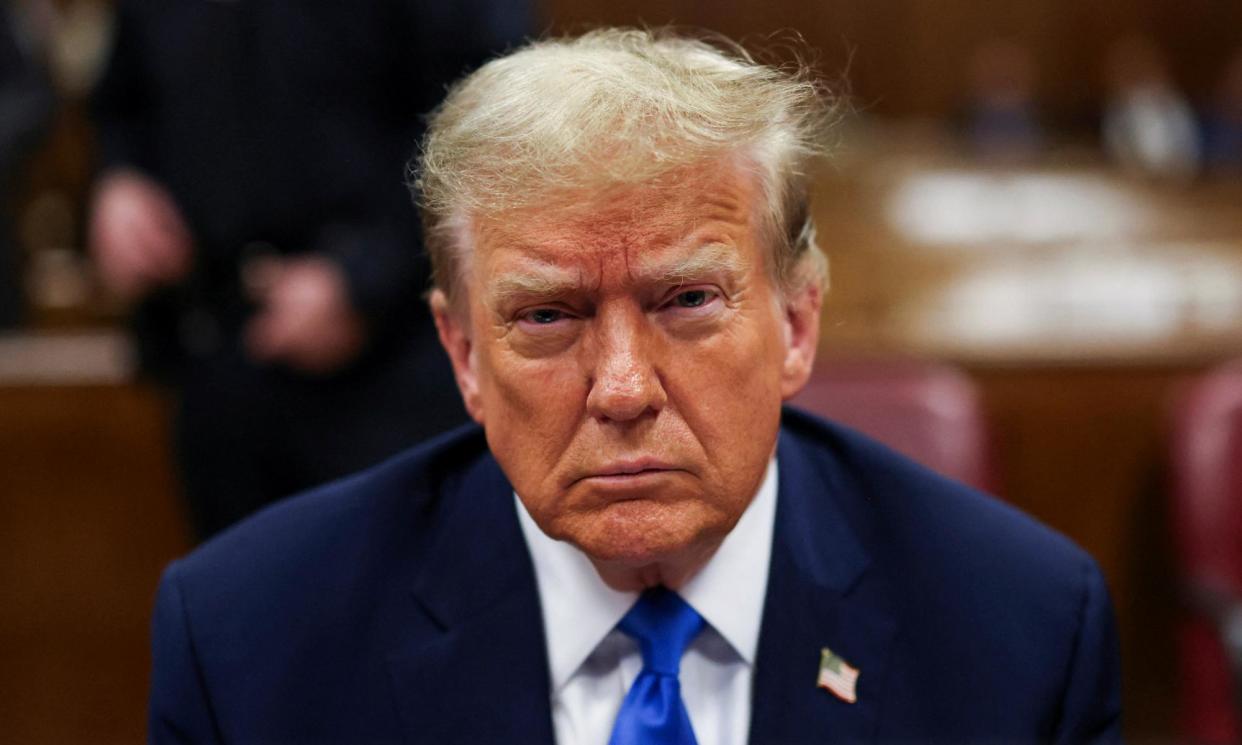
x=653, y=712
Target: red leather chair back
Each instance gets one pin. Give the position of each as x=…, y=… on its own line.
x=1206, y=471
x=926, y=410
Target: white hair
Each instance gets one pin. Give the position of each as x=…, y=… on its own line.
x=562, y=116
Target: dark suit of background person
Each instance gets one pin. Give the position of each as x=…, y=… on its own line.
x=26, y=103
x=401, y=605
x=279, y=128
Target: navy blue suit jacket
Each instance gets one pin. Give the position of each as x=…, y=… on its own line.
x=401, y=605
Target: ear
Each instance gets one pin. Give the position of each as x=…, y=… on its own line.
x=453, y=326
x=801, y=337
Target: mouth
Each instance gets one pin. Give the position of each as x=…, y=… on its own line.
x=629, y=471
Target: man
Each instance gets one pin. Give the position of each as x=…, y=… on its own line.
x=26, y=104
x=250, y=206
x=637, y=545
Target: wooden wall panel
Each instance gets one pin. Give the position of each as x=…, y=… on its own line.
x=88, y=519
x=906, y=56
x=1083, y=448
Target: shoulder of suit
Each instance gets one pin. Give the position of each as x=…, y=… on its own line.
x=388, y=507
x=907, y=511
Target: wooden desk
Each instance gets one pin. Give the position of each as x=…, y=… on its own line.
x=88, y=518
x=1063, y=263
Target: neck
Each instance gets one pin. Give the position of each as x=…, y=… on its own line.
x=672, y=573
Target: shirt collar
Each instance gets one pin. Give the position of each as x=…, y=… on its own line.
x=729, y=591
x=579, y=610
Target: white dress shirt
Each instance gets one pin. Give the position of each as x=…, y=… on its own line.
x=592, y=665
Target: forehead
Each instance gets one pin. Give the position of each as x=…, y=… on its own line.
x=634, y=224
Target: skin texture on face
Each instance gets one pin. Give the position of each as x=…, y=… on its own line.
x=627, y=355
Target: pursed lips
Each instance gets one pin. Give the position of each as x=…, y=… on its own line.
x=622, y=470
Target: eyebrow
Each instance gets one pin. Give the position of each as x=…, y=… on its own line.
x=710, y=259
x=542, y=280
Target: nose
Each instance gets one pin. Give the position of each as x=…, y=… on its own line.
x=625, y=384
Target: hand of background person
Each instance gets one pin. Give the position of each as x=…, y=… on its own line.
x=137, y=235
x=306, y=319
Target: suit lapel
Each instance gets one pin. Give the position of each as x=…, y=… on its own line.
x=479, y=672
x=820, y=595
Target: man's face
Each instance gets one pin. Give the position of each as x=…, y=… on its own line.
x=627, y=356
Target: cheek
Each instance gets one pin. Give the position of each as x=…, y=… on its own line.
x=743, y=362
x=519, y=387
x=511, y=385
x=728, y=389
x=532, y=408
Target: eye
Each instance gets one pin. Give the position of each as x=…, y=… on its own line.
x=692, y=298
x=544, y=316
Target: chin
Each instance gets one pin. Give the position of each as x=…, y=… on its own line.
x=639, y=533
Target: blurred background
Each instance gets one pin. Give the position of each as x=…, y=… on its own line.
x=208, y=285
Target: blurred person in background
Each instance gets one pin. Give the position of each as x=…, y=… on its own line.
x=1001, y=118
x=1148, y=127
x=1223, y=125
x=251, y=207
x=26, y=104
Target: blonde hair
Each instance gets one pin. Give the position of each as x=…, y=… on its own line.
x=621, y=106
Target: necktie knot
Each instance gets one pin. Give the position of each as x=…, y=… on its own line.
x=663, y=625
x=653, y=712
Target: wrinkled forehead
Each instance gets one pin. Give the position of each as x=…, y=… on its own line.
x=636, y=224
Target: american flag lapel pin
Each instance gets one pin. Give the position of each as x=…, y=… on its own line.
x=837, y=676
